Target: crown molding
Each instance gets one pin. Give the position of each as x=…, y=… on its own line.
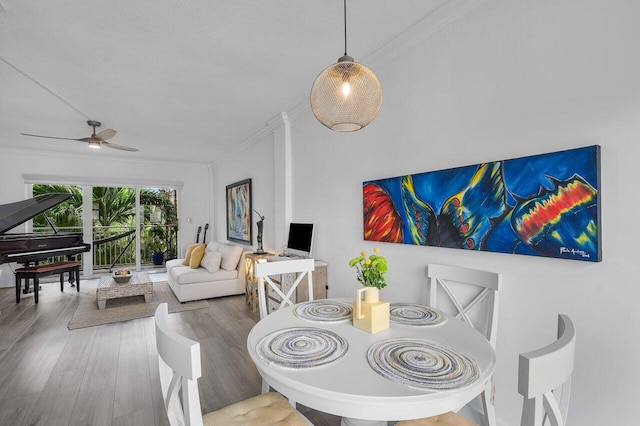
x=66, y=155
x=449, y=12
x=244, y=145
x=101, y=181
x=303, y=107
x=422, y=30
x=279, y=120
x=271, y=125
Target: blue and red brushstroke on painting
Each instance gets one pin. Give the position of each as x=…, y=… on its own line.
x=541, y=205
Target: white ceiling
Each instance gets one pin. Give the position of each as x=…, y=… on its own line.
x=180, y=80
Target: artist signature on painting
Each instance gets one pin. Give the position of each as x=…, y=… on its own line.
x=574, y=252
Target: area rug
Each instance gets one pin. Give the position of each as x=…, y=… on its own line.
x=127, y=308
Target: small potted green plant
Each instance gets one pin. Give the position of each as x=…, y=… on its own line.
x=158, y=244
x=157, y=252
x=369, y=312
x=370, y=270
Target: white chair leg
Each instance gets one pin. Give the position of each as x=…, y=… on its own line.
x=532, y=413
x=265, y=386
x=487, y=405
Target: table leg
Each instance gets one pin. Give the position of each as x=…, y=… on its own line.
x=487, y=404
x=147, y=297
x=102, y=304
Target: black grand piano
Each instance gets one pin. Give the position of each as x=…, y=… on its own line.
x=29, y=249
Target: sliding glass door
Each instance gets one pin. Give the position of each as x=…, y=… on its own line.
x=134, y=227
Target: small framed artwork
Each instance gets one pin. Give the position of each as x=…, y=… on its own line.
x=239, y=217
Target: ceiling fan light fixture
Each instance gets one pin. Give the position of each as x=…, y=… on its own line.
x=95, y=141
x=346, y=96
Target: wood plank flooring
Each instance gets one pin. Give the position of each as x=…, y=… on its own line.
x=108, y=375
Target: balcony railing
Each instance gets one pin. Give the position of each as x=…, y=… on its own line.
x=114, y=246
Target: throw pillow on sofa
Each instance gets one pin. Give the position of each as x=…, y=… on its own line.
x=196, y=256
x=211, y=261
x=212, y=246
x=230, y=256
x=187, y=256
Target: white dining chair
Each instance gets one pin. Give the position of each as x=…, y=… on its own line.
x=269, y=276
x=472, y=296
x=180, y=367
x=544, y=378
x=467, y=290
x=266, y=273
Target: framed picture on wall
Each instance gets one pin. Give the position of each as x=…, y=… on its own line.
x=239, y=217
x=540, y=205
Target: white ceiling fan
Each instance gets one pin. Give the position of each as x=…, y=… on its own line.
x=96, y=140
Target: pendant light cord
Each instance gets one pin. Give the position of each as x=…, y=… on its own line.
x=345, y=27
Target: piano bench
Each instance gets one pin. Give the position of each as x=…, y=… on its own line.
x=36, y=272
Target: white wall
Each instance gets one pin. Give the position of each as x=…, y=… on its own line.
x=507, y=80
x=194, y=200
x=256, y=164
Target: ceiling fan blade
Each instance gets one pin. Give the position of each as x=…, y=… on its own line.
x=116, y=146
x=95, y=140
x=105, y=134
x=53, y=137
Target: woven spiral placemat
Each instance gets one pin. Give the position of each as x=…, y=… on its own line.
x=127, y=308
x=301, y=347
x=422, y=364
x=415, y=315
x=324, y=311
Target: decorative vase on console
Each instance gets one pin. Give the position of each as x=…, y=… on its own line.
x=369, y=313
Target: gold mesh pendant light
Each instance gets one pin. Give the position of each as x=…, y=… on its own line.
x=346, y=96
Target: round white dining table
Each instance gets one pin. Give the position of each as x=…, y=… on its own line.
x=349, y=387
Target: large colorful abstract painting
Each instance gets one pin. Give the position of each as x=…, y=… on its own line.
x=542, y=205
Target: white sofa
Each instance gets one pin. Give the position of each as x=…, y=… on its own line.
x=207, y=282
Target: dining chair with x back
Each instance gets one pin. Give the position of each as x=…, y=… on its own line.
x=269, y=277
x=266, y=273
x=179, y=366
x=471, y=295
x=544, y=378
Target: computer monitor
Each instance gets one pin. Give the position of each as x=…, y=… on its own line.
x=300, y=239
